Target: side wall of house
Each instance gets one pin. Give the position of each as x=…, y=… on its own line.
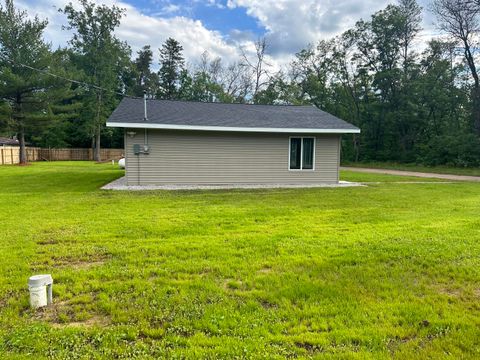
x=201, y=157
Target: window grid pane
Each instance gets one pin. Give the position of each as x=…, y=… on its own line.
x=295, y=153
x=307, y=161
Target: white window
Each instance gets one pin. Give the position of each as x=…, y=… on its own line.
x=301, y=155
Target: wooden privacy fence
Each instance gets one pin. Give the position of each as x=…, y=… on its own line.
x=11, y=154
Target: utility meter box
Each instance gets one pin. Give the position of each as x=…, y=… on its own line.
x=140, y=149
x=136, y=149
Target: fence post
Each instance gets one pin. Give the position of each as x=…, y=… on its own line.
x=3, y=160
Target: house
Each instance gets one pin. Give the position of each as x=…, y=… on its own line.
x=5, y=141
x=179, y=143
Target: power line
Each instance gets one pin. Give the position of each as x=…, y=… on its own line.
x=82, y=83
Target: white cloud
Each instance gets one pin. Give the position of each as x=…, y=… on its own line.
x=215, y=3
x=169, y=9
x=290, y=25
x=138, y=29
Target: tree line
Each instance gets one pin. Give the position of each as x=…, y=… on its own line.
x=415, y=100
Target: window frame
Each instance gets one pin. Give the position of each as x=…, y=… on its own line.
x=301, y=152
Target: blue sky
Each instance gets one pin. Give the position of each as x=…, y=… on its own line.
x=215, y=15
x=223, y=27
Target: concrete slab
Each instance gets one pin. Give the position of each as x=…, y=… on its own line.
x=121, y=184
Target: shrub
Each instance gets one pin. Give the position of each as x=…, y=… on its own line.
x=462, y=150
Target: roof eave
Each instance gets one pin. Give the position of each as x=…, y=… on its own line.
x=144, y=125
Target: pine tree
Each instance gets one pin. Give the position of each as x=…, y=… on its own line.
x=171, y=66
x=25, y=88
x=144, y=78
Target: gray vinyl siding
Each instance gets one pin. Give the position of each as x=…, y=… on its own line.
x=200, y=157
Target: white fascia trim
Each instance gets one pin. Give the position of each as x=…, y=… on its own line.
x=142, y=125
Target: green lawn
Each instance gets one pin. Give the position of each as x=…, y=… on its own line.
x=388, y=270
x=473, y=171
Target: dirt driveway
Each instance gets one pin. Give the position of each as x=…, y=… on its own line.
x=413, y=173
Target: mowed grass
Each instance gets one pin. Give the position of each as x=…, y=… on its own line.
x=388, y=270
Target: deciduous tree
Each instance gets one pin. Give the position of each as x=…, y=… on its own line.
x=101, y=56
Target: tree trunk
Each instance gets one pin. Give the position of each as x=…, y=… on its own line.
x=356, y=148
x=476, y=87
x=23, y=150
x=92, y=146
x=476, y=110
x=98, y=129
x=96, y=155
x=18, y=119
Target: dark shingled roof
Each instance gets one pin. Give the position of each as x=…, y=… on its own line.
x=8, y=141
x=187, y=113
